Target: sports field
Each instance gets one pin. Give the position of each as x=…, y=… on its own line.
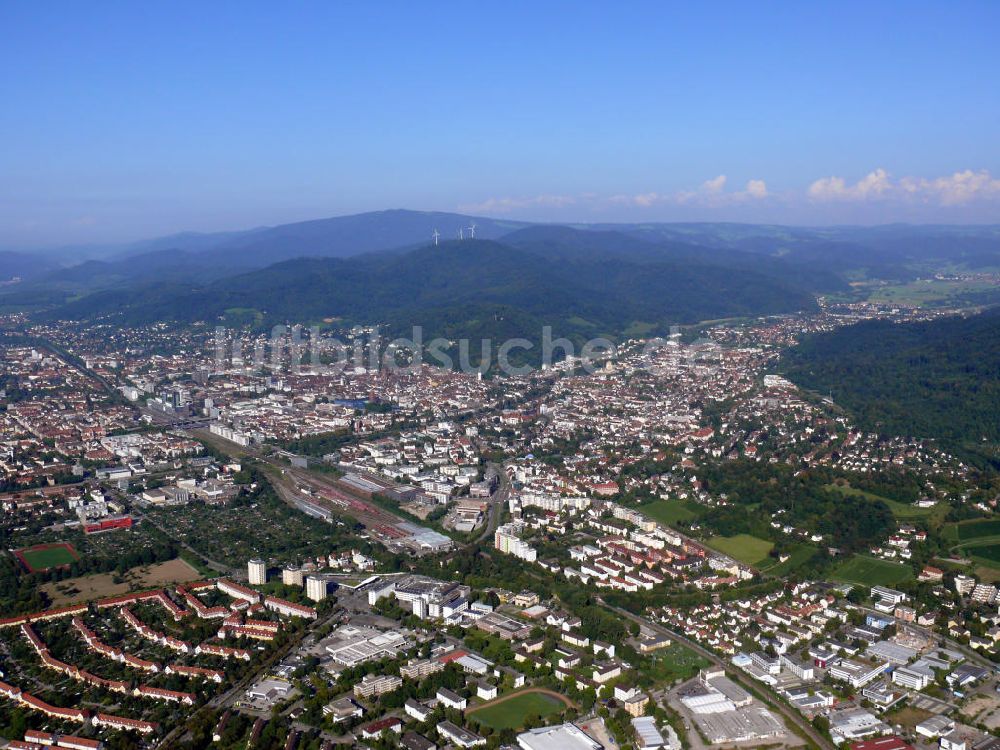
x=743, y=547
x=47, y=556
x=870, y=571
x=510, y=713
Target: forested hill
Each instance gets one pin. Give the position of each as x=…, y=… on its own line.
x=937, y=379
x=466, y=289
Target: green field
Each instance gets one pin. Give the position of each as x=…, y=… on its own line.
x=670, y=512
x=906, y=511
x=743, y=547
x=988, y=553
x=46, y=557
x=902, y=511
x=978, y=540
x=799, y=554
x=927, y=291
x=978, y=529
x=510, y=714
x=670, y=664
x=871, y=571
x=638, y=328
x=244, y=315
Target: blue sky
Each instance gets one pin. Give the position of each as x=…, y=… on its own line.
x=128, y=120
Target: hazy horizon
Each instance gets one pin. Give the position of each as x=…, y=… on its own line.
x=124, y=123
x=128, y=242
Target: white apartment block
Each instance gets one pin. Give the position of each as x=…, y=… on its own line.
x=507, y=541
x=856, y=673
x=375, y=685
x=316, y=588
x=911, y=678
x=257, y=572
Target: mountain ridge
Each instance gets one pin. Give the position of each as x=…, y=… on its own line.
x=600, y=294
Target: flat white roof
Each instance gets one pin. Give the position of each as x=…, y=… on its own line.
x=564, y=737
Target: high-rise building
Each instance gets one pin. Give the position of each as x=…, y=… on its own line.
x=292, y=575
x=316, y=588
x=420, y=608
x=506, y=540
x=257, y=572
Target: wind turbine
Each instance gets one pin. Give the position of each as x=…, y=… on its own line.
x=435, y=235
x=472, y=231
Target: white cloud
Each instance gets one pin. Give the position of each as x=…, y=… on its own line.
x=756, y=189
x=872, y=185
x=828, y=187
x=646, y=199
x=711, y=193
x=950, y=190
x=715, y=185
x=955, y=189
x=504, y=205
x=877, y=187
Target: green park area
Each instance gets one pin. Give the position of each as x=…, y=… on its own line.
x=798, y=554
x=902, y=511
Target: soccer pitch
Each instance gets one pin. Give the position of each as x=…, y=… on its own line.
x=47, y=556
